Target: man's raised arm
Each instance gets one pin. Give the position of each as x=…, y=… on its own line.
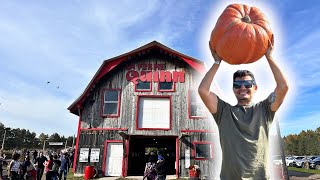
x=282, y=85
x=209, y=98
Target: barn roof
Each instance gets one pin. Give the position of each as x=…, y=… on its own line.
x=110, y=64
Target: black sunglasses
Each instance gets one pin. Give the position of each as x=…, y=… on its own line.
x=247, y=84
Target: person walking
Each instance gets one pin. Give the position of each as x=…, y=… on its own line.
x=39, y=162
x=71, y=159
x=65, y=164
x=14, y=167
x=161, y=167
x=48, y=168
x=150, y=172
x=55, y=167
x=244, y=128
x=35, y=155
x=25, y=166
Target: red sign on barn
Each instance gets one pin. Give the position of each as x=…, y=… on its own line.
x=153, y=73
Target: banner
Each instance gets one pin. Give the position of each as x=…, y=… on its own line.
x=55, y=143
x=84, y=155
x=94, y=155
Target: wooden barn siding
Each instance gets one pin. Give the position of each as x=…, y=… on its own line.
x=206, y=166
x=91, y=112
x=116, y=79
x=95, y=139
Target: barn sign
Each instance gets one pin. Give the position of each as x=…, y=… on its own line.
x=55, y=143
x=153, y=73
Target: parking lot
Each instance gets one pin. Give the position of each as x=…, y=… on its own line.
x=307, y=162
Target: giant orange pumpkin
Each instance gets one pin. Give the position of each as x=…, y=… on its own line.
x=241, y=34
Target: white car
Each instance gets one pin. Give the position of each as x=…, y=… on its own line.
x=289, y=161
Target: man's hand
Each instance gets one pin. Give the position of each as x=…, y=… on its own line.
x=214, y=53
x=270, y=48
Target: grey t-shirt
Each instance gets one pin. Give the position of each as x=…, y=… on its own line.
x=244, y=140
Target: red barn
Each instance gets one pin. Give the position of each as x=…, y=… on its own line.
x=142, y=101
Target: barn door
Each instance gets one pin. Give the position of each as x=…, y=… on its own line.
x=114, y=159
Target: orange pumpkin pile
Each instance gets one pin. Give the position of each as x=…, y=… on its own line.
x=241, y=34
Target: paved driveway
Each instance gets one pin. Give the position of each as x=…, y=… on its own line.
x=294, y=175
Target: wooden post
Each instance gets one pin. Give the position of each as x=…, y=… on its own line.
x=3, y=140
x=73, y=141
x=44, y=146
x=65, y=146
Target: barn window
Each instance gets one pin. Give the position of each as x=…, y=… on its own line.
x=203, y=150
x=154, y=113
x=165, y=86
x=111, y=103
x=196, y=108
x=143, y=86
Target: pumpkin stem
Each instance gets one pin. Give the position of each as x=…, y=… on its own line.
x=246, y=19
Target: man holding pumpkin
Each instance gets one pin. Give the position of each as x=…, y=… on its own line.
x=244, y=128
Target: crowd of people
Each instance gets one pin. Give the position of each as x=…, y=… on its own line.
x=34, y=166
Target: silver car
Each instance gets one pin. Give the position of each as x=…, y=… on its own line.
x=297, y=159
x=300, y=162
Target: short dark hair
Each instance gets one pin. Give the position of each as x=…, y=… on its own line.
x=153, y=158
x=242, y=73
x=15, y=156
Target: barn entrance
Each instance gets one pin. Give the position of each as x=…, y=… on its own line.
x=139, y=146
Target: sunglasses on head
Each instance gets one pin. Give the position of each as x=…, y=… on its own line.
x=246, y=83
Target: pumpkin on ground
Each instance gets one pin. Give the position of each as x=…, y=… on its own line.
x=241, y=34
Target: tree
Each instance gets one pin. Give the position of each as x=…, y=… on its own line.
x=305, y=143
x=290, y=144
x=43, y=137
x=55, y=137
x=23, y=139
x=10, y=141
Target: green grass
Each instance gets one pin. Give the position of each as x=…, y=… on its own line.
x=313, y=171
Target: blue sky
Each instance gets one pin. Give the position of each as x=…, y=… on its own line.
x=65, y=43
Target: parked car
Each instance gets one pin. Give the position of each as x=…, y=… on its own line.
x=301, y=162
x=297, y=159
x=315, y=163
x=310, y=158
x=289, y=160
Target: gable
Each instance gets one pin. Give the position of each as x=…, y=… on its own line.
x=110, y=64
